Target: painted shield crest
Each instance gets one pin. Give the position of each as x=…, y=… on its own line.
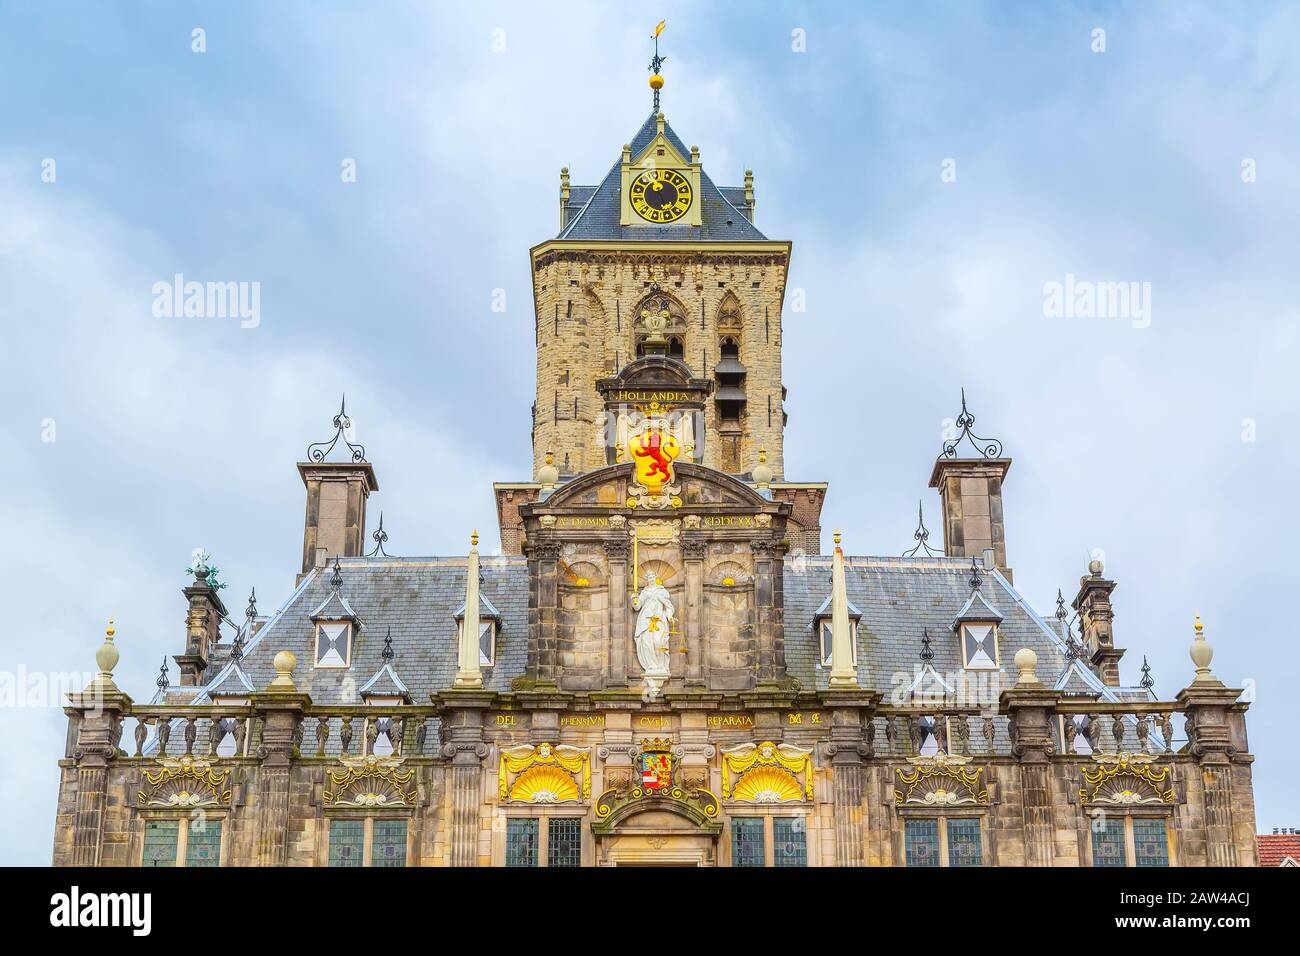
x=656, y=769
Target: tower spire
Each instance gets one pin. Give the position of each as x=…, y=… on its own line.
x=657, y=81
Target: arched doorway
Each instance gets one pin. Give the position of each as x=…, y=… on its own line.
x=657, y=832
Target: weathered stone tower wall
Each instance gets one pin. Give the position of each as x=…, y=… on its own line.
x=586, y=298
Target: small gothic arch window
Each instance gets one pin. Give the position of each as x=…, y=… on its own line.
x=729, y=347
x=729, y=312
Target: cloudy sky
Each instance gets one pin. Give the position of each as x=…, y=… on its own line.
x=935, y=165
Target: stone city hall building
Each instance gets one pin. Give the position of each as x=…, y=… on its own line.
x=662, y=666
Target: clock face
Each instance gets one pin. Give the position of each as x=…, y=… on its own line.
x=661, y=195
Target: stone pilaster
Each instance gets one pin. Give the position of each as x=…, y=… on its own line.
x=1215, y=732
x=1030, y=707
x=281, y=709
x=769, y=619
x=694, y=550
x=97, y=716
x=464, y=746
x=847, y=750
x=543, y=612
x=616, y=553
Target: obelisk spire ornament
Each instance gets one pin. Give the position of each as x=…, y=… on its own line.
x=469, y=673
x=657, y=81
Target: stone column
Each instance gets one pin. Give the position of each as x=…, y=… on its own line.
x=847, y=749
x=281, y=708
x=1216, y=734
x=1030, y=707
x=616, y=551
x=543, y=612
x=97, y=715
x=694, y=551
x=463, y=745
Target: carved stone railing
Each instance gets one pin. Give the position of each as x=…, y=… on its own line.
x=1086, y=727
x=217, y=731
x=916, y=731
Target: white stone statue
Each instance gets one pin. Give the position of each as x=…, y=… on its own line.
x=656, y=610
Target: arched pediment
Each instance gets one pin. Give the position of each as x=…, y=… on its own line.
x=706, y=486
x=658, y=370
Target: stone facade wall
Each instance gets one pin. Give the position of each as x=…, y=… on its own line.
x=853, y=817
x=585, y=305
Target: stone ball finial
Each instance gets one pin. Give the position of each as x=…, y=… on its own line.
x=837, y=536
x=473, y=539
x=107, y=656
x=1027, y=663
x=548, y=474
x=762, y=472
x=284, y=663
x=1096, y=567
x=1202, y=653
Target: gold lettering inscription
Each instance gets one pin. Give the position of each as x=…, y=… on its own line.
x=729, y=521
x=644, y=397
x=731, y=720
x=654, y=722
x=813, y=717
x=582, y=720
x=580, y=521
x=506, y=720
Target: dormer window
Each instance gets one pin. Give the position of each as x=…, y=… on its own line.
x=979, y=644
x=976, y=627
x=823, y=625
x=334, y=644
x=489, y=622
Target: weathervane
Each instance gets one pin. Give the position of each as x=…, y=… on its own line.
x=921, y=535
x=927, y=652
x=987, y=447
x=1147, y=680
x=317, y=451
x=163, y=680
x=657, y=81
x=974, y=580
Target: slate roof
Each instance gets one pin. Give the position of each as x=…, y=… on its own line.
x=596, y=210
x=420, y=598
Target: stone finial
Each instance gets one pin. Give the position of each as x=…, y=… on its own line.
x=1202, y=653
x=106, y=659
x=284, y=663
x=469, y=672
x=762, y=472
x=1027, y=663
x=1095, y=567
x=843, y=676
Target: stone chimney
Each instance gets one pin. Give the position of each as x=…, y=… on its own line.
x=971, y=492
x=336, y=498
x=1095, y=615
x=202, y=622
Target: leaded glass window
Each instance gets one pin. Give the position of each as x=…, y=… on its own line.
x=203, y=843
x=347, y=838
x=747, y=841
x=1108, y=842
x=564, y=842
x=789, y=841
x=1150, y=843
x=921, y=839
x=521, y=842
x=388, y=843
x=160, y=838
x=964, y=843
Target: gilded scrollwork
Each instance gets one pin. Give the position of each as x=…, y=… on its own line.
x=1126, y=779
x=366, y=782
x=185, y=782
x=940, y=785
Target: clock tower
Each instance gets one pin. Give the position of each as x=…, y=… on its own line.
x=660, y=299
